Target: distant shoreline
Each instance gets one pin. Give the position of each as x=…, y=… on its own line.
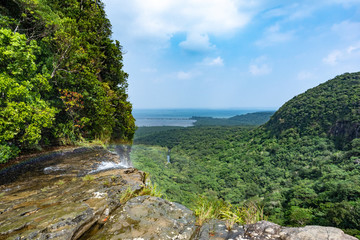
x=187, y=117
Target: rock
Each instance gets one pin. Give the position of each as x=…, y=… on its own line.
x=217, y=229
x=65, y=196
x=315, y=232
x=266, y=230
x=51, y=199
x=148, y=217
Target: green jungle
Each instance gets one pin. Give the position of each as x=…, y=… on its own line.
x=302, y=167
x=62, y=82
x=61, y=77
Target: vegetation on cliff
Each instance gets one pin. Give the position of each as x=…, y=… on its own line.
x=298, y=172
x=61, y=77
x=330, y=109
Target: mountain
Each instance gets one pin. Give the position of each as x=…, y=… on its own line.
x=291, y=166
x=255, y=118
x=330, y=109
x=248, y=119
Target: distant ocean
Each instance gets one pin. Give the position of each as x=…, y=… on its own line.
x=181, y=117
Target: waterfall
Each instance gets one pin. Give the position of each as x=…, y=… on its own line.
x=123, y=151
x=168, y=156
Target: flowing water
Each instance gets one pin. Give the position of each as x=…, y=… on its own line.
x=62, y=189
x=78, y=162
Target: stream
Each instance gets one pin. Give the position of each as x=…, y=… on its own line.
x=60, y=195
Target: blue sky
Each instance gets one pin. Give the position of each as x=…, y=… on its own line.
x=232, y=53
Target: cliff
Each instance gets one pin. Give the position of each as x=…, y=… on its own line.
x=77, y=195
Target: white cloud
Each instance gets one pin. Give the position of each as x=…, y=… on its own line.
x=336, y=57
x=205, y=16
x=294, y=12
x=160, y=20
x=181, y=75
x=304, y=9
x=273, y=35
x=259, y=70
x=353, y=48
x=213, y=61
x=260, y=67
x=197, y=42
x=305, y=75
x=347, y=30
x=333, y=57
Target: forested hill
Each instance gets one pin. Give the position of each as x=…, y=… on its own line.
x=289, y=166
x=248, y=119
x=330, y=109
x=61, y=77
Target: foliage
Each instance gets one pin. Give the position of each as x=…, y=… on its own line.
x=247, y=213
x=24, y=112
x=206, y=208
x=148, y=189
x=249, y=119
x=297, y=179
x=88, y=178
x=302, y=166
x=332, y=108
x=300, y=216
x=146, y=131
x=127, y=195
x=7, y=152
x=61, y=75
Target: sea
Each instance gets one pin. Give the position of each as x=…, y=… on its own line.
x=182, y=117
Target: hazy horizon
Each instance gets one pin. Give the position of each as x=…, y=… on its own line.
x=232, y=54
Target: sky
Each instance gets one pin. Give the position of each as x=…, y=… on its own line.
x=232, y=53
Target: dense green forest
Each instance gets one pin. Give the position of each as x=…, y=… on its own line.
x=331, y=109
x=293, y=166
x=61, y=77
x=248, y=119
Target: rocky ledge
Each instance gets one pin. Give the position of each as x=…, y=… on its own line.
x=73, y=196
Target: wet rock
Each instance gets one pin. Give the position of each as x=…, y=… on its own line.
x=148, y=217
x=57, y=198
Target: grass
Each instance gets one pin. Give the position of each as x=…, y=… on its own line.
x=147, y=189
x=206, y=208
x=248, y=213
x=91, y=143
x=45, y=189
x=88, y=178
x=60, y=182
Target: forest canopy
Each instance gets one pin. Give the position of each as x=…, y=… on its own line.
x=61, y=76
x=302, y=167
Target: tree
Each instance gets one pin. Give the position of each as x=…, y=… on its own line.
x=24, y=114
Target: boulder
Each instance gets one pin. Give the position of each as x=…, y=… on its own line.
x=267, y=230
x=147, y=217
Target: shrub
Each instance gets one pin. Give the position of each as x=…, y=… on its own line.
x=7, y=152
